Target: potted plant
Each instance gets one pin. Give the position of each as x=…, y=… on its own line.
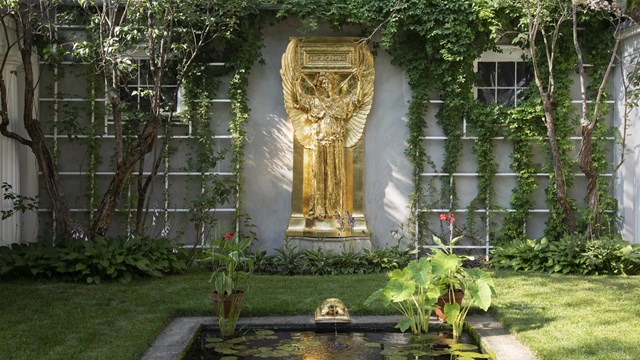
x=231, y=270
x=448, y=269
x=462, y=287
x=414, y=291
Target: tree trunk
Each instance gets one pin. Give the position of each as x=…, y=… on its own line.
x=46, y=162
x=586, y=165
x=561, y=187
x=107, y=208
x=143, y=187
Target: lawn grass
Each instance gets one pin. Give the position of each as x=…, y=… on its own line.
x=572, y=317
x=559, y=317
x=57, y=320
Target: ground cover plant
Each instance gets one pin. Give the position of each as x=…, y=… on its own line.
x=290, y=260
x=608, y=255
x=559, y=317
x=93, y=261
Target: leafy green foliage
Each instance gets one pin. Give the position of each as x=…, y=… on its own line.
x=20, y=203
x=414, y=292
x=570, y=255
x=451, y=275
x=486, y=120
x=93, y=261
x=289, y=260
x=416, y=289
x=523, y=127
x=436, y=44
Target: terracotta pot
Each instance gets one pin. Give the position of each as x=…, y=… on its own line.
x=232, y=301
x=444, y=299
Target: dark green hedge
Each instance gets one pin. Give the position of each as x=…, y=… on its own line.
x=93, y=261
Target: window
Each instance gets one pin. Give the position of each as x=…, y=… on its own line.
x=141, y=85
x=503, y=76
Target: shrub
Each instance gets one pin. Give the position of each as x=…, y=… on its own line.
x=570, y=254
x=93, y=261
x=289, y=260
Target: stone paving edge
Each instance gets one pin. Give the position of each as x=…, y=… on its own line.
x=176, y=337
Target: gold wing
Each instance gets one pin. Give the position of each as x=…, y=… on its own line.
x=294, y=95
x=364, y=95
x=290, y=74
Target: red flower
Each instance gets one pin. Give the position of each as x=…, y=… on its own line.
x=227, y=237
x=450, y=218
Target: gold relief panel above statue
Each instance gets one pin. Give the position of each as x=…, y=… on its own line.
x=328, y=91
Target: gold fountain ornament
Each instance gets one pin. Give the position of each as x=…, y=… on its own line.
x=332, y=310
x=328, y=91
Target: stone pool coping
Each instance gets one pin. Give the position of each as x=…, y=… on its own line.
x=178, y=335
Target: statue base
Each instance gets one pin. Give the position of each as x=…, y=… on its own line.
x=300, y=226
x=306, y=233
x=338, y=245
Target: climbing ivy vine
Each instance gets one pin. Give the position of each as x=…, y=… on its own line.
x=436, y=43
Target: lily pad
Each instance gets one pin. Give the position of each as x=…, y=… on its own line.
x=463, y=347
x=237, y=340
x=227, y=351
x=397, y=357
x=470, y=355
x=214, y=340
x=264, y=332
x=394, y=352
x=229, y=358
x=418, y=353
x=309, y=344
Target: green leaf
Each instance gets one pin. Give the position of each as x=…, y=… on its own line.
x=399, y=290
x=445, y=263
x=462, y=346
x=438, y=242
x=373, y=297
x=470, y=355
x=214, y=339
x=451, y=311
x=404, y=324
x=420, y=271
x=480, y=293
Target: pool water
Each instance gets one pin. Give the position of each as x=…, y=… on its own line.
x=311, y=345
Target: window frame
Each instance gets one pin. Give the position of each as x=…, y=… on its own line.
x=509, y=53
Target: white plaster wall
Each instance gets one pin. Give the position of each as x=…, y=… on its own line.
x=628, y=182
x=268, y=156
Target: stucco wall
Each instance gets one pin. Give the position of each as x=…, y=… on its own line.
x=628, y=182
x=269, y=164
x=17, y=163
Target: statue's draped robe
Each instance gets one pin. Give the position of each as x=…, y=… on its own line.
x=328, y=114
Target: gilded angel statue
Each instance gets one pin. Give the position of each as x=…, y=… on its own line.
x=328, y=106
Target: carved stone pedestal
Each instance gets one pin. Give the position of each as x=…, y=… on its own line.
x=338, y=245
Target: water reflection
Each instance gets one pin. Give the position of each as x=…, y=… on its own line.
x=308, y=345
